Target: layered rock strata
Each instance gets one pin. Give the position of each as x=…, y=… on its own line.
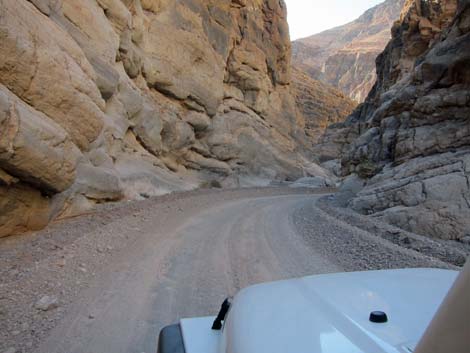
x=411, y=138
x=320, y=104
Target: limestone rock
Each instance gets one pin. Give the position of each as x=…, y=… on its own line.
x=198, y=121
x=98, y=183
x=22, y=208
x=43, y=5
x=335, y=141
x=245, y=141
x=180, y=62
x=33, y=147
x=103, y=100
x=141, y=179
x=87, y=23
x=42, y=66
x=349, y=188
x=410, y=140
x=427, y=196
x=198, y=161
x=107, y=79
x=320, y=104
x=177, y=134
x=117, y=13
x=148, y=127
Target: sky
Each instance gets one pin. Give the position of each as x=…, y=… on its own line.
x=307, y=17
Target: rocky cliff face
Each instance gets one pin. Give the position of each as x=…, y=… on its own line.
x=320, y=104
x=344, y=57
x=109, y=99
x=411, y=138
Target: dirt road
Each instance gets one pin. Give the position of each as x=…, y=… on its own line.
x=176, y=258
x=186, y=271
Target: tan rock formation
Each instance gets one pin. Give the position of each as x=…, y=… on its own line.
x=320, y=104
x=33, y=147
x=44, y=67
x=344, y=57
x=108, y=99
x=22, y=208
x=411, y=138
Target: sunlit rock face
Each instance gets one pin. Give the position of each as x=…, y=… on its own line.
x=102, y=100
x=344, y=57
x=319, y=103
x=411, y=138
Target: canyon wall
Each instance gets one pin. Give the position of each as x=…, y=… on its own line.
x=320, y=104
x=103, y=100
x=410, y=140
x=344, y=57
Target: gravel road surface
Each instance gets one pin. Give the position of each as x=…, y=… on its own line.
x=123, y=273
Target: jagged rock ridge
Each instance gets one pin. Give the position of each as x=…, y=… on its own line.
x=411, y=138
x=108, y=99
x=344, y=57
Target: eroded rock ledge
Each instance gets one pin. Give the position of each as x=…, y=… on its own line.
x=410, y=140
x=109, y=99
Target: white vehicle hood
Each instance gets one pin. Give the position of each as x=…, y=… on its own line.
x=330, y=313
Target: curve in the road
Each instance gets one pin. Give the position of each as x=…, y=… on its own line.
x=187, y=271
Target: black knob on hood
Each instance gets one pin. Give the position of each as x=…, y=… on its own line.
x=378, y=317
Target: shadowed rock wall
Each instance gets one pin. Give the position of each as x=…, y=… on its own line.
x=411, y=138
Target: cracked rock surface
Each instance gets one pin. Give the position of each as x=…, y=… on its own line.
x=410, y=140
x=103, y=100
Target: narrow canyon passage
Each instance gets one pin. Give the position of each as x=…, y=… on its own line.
x=159, y=156
x=186, y=255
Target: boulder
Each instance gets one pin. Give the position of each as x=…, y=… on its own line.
x=34, y=148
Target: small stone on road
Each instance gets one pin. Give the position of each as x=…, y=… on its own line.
x=47, y=303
